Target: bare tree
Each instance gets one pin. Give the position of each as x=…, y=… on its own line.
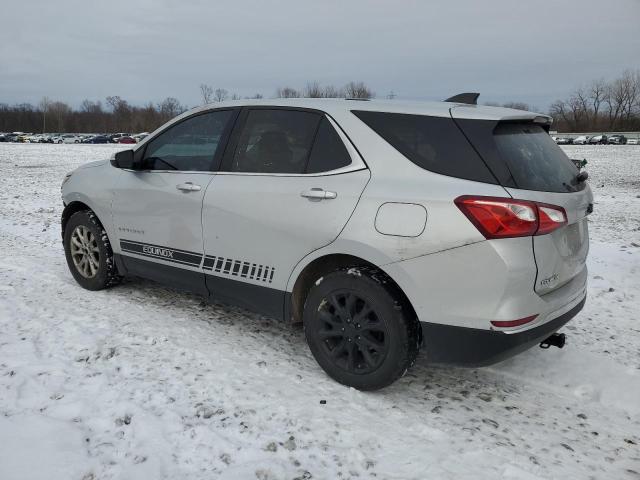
x=44, y=105
x=170, y=107
x=358, y=90
x=331, y=91
x=114, y=102
x=287, y=92
x=60, y=112
x=313, y=90
x=581, y=100
x=220, y=95
x=597, y=90
x=614, y=98
x=207, y=93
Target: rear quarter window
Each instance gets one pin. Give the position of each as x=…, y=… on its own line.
x=433, y=143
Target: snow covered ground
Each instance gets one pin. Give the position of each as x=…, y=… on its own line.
x=144, y=382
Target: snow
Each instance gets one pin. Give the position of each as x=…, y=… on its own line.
x=144, y=382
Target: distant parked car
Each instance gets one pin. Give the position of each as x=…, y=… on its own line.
x=97, y=139
x=633, y=141
x=116, y=136
x=598, y=140
x=126, y=140
x=3, y=138
x=71, y=138
x=564, y=141
x=581, y=140
x=617, y=140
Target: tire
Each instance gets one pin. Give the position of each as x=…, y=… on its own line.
x=84, y=237
x=367, y=351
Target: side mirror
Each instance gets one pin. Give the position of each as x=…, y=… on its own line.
x=123, y=159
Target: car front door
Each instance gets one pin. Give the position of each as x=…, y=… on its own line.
x=288, y=184
x=157, y=207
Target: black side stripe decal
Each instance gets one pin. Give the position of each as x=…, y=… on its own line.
x=239, y=268
x=220, y=265
x=162, y=253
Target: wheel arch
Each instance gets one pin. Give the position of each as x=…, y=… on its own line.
x=74, y=207
x=322, y=265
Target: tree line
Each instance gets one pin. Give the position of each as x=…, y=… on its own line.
x=115, y=115
x=118, y=115
x=600, y=105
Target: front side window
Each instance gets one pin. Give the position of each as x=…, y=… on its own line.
x=188, y=146
x=275, y=141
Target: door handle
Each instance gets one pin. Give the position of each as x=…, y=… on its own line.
x=317, y=194
x=188, y=187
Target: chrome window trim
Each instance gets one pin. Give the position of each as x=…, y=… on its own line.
x=182, y=172
x=357, y=163
x=337, y=171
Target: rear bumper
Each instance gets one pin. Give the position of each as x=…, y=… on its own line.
x=477, y=347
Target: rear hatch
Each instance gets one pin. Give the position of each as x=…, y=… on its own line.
x=530, y=166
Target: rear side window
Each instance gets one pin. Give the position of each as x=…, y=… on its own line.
x=275, y=141
x=533, y=158
x=329, y=152
x=433, y=143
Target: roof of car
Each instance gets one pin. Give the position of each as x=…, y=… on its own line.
x=333, y=105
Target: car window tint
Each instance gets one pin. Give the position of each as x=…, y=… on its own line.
x=328, y=152
x=534, y=159
x=188, y=146
x=275, y=141
x=433, y=143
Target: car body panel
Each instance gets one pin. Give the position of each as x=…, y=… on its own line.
x=561, y=254
x=155, y=221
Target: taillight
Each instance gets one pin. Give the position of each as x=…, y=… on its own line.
x=497, y=217
x=550, y=217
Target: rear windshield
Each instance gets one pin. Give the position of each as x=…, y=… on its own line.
x=533, y=158
x=433, y=143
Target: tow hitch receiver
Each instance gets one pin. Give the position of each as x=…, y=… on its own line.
x=555, y=340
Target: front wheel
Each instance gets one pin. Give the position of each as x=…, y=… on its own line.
x=360, y=328
x=88, y=252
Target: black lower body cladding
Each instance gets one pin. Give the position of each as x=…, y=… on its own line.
x=472, y=347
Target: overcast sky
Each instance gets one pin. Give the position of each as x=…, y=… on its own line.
x=147, y=50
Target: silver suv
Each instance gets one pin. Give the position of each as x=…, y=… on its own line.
x=383, y=227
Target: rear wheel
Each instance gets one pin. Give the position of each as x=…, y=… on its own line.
x=88, y=252
x=360, y=329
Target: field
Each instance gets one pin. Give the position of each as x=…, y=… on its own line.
x=144, y=382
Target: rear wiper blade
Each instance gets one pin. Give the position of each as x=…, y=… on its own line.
x=579, y=163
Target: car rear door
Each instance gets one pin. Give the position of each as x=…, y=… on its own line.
x=530, y=166
x=157, y=208
x=289, y=183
